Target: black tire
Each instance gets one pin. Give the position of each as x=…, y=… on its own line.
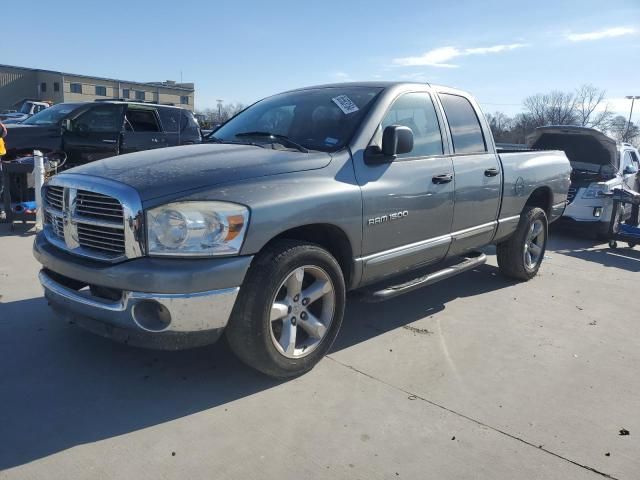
x=249, y=330
x=511, y=257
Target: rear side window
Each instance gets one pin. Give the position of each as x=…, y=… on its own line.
x=141, y=121
x=170, y=118
x=463, y=122
x=416, y=111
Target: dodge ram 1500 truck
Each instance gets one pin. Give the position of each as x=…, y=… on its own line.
x=305, y=195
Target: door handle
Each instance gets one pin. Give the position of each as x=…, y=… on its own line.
x=491, y=172
x=109, y=141
x=440, y=179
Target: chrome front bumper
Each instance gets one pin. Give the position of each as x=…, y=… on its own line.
x=178, y=314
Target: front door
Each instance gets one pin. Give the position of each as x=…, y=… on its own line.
x=478, y=177
x=94, y=134
x=408, y=203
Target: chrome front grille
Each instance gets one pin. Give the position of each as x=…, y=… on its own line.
x=571, y=194
x=101, y=238
x=56, y=222
x=89, y=218
x=54, y=197
x=97, y=205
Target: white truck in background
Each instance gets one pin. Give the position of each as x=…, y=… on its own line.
x=599, y=164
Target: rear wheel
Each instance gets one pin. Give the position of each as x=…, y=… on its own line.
x=520, y=257
x=289, y=310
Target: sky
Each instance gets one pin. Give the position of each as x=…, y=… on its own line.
x=242, y=51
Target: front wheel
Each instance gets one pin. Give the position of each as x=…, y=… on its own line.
x=289, y=310
x=520, y=257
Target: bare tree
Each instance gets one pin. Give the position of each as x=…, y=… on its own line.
x=590, y=108
x=500, y=125
x=623, y=131
x=555, y=108
x=220, y=114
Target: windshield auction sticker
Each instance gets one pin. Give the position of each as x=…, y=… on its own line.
x=345, y=104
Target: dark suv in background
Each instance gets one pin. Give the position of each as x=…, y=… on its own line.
x=91, y=131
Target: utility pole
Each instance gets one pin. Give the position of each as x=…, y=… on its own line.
x=633, y=98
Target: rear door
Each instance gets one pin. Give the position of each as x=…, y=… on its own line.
x=407, y=215
x=478, y=175
x=142, y=130
x=94, y=134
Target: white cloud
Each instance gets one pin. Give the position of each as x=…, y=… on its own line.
x=600, y=34
x=341, y=76
x=438, y=57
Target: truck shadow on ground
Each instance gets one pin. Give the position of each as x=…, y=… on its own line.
x=61, y=387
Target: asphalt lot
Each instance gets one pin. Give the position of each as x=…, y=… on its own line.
x=476, y=377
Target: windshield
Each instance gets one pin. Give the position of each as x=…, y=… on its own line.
x=51, y=115
x=317, y=119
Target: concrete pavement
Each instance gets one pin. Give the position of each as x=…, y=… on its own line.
x=477, y=377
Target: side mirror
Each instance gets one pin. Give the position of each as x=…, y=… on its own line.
x=630, y=170
x=396, y=140
x=66, y=124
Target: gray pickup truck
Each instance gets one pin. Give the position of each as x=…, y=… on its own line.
x=305, y=195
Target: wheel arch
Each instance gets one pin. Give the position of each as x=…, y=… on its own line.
x=541, y=197
x=328, y=236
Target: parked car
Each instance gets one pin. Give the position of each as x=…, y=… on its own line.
x=381, y=187
x=599, y=165
x=27, y=109
x=91, y=131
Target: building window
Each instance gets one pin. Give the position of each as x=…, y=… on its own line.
x=43, y=87
x=75, y=87
x=184, y=99
x=140, y=95
x=126, y=93
x=100, y=90
x=56, y=86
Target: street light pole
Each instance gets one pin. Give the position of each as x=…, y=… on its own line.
x=220, y=110
x=633, y=98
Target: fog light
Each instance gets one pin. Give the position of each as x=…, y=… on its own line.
x=151, y=316
x=597, y=212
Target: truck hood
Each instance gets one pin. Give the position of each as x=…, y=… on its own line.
x=167, y=171
x=13, y=116
x=586, y=148
x=21, y=136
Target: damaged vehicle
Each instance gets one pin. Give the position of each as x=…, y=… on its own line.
x=380, y=187
x=599, y=165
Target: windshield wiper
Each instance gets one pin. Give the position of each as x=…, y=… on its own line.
x=220, y=140
x=286, y=141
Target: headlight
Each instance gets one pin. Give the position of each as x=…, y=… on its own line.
x=596, y=191
x=196, y=228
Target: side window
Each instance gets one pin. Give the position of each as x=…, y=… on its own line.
x=189, y=122
x=141, y=121
x=170, y=118
x=416, y=111
x=103, y=119
x=464, y=124
x=634, y=158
